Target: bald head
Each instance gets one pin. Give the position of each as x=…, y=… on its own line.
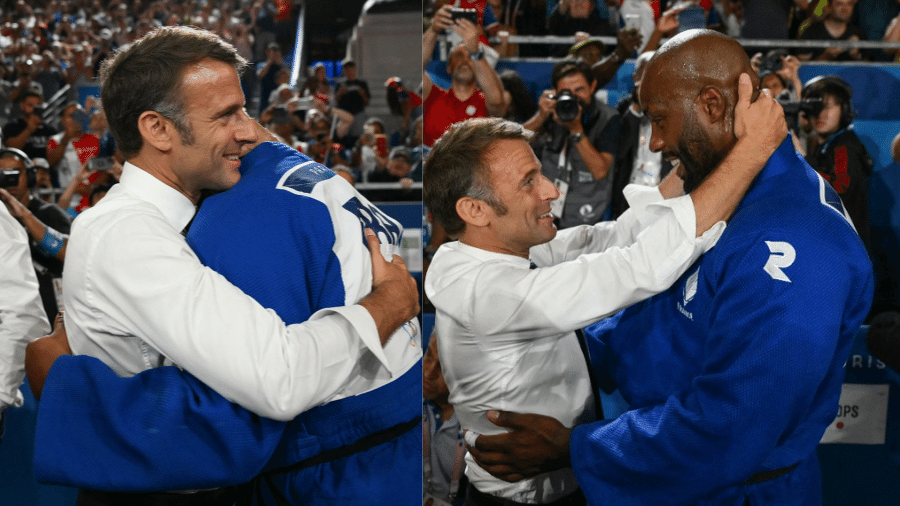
x=689, y=90
x=695, y=59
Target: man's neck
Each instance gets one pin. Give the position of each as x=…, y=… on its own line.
x=486, y=243
x=161, y=171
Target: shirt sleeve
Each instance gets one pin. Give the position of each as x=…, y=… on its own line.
x=153, y=286
x=164, y=415
x=646, y=205
x=765, y=390
x=526, y=303
x=22, y=316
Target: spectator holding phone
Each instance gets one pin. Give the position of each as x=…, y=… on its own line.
x=475, y=89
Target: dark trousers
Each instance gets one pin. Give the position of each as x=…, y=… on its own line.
x=475, y=497
x=217, y=497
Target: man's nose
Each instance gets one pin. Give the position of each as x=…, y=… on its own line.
x=551, y=192
x=656, y=143
x=246, y=131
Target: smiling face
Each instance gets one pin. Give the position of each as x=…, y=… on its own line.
x=517, y=182
x=206, y=157
x=677, y=131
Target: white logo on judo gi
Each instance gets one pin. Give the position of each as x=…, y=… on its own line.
x=688, y=292
x=783, y=256
x=690, y=287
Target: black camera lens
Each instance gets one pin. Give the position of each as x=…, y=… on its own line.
x=9, y=178
x=566, y=106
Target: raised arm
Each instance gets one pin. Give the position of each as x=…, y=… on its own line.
x=50, y=242
x=488, y=80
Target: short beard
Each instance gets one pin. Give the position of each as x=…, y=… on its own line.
x=697, y=154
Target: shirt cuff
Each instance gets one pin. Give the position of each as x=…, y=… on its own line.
x=364, y=325
x=650, y=207
x=16, y=400
x=639, y=197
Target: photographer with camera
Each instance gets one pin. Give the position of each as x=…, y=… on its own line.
x=784, y=69
x=778, y=73
x=577, y=137
x=29, y=132
x=840, y=157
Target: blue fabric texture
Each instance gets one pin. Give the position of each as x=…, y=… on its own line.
x=164, y=430
x=737, y=368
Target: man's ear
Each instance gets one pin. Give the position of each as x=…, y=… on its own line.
x=473, y=211
x=711, y=104
x=156, y=130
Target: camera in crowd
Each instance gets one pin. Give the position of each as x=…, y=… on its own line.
x=811, y=107
x=9, y=178
x=460, y=13
x=773, y=61
x=100, y=163
x=566, y=106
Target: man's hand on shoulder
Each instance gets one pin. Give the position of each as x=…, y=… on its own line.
x=535, y=444
x=394, y=299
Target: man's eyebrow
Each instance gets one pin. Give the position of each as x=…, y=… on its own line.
x=531, y=173
x=228, y=110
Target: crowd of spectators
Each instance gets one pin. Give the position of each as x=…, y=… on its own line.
x=827, y=20
x=50, y=56
x=614, y=137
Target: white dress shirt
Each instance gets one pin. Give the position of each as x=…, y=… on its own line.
x=507, y=338
x=136, y=296
x=22, y=316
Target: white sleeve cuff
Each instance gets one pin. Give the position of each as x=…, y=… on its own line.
x=362, y=322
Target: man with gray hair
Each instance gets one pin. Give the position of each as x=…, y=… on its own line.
x=511, y=291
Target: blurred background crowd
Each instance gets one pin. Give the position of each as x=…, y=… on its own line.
x=51, y=53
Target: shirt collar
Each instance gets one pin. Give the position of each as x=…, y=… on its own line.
x=485, y=255
x=177, y=209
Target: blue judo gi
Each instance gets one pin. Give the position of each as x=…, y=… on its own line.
x=165, y=430
x=737, y=368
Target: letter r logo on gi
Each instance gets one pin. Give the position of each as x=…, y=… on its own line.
x=782, y=256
